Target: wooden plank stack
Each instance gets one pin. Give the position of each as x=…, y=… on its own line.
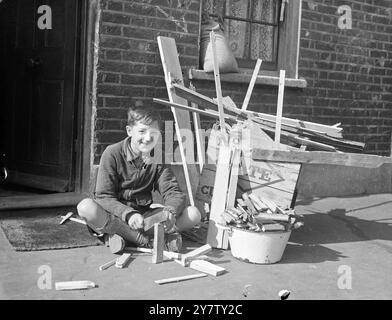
x=260, y=215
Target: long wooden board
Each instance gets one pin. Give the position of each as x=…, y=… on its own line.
x=321, y=157
x=172, y=69
x=159, y=242
x=217, y=83
x=208, y=113
x=206, y=267
x=251, y=84
x=217, y=237
x=198, y=133
x=232, y=190
x=279, y=110
x=329, y=130
x=183, y=278
x=74, y=285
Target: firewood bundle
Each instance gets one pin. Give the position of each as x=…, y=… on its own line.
x=260, y=215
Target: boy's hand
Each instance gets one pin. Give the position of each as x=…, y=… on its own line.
x=136, y=221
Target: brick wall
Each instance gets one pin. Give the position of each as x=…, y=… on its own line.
x=130, y=69
x=349, y=72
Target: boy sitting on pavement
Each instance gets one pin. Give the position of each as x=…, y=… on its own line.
x=126, y=178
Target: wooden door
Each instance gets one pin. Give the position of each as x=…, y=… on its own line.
x=41, y=77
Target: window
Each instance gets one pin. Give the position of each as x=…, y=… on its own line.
x=265, y=29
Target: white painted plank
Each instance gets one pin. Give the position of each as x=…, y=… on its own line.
x=279, y=109
x=183, y=278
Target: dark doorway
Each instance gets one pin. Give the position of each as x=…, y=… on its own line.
x=40, y=70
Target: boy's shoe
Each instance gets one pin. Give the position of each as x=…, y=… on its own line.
x=116, y=243
x=173, y=242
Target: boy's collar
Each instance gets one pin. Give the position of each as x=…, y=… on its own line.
x=128, y=150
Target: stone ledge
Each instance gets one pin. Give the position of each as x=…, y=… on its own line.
x=243, y=77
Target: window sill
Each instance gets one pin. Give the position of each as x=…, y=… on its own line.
x=243, y=77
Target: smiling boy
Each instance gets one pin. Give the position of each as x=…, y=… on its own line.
x=127, y=175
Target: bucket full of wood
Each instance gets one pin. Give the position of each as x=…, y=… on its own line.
x=258, y=229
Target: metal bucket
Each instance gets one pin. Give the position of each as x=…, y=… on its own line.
x=258, y=247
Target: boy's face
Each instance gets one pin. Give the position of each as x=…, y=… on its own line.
x=144, y=137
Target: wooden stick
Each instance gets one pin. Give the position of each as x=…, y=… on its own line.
x=206, y=267
x=172, y=255
x=74, y=285
x=183, y=278
x=217, y=83
x=314, y=135
x=251, y=84
x=183, y=158
x=218, y=238
x=122, y=261
x=249, y=203
x=274, y=217
x=279, y=110
x=299, y=140
x=77, y=220
x=256, y=204
x=257, y=201
x=197, y=252
x=204, y=101
x=269, y=203
x=167, y=254
x=202, y=257
x=209, y=113
x=159, y=242
x=107, y=264
x=199, y=138
x=232, y=189
x=66, y=217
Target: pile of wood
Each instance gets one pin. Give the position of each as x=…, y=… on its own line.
x=260, y=215
x=294, y=132
x=280, y=158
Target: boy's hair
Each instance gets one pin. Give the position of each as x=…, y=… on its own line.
x=143, y=114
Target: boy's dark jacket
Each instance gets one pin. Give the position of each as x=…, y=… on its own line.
x=125, y=182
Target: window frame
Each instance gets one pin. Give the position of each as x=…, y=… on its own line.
x=246, y=63
x=289, y=39
x=287, y=45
